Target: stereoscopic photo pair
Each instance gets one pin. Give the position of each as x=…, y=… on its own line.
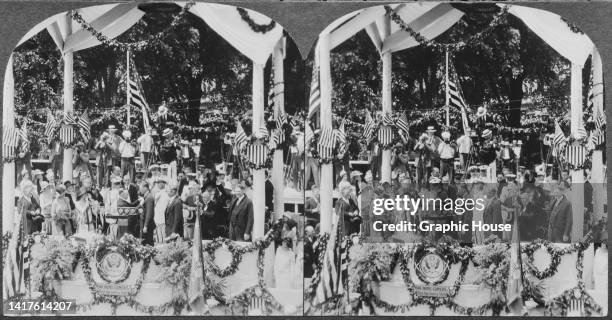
x=193, y=158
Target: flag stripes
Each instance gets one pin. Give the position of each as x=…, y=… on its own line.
x=23, y=136
x=309, y=134
x=326, y=143
x=257, y=154
x=240, y=139
x=340, y=138
x=402, y=125
x=10, y=139
x=387, y=119
x=135, y=96
x=51, y=125
x=576, y=155
x=66, y=135
x=314, y=103
x=559, y=139
x=84, y=126
x=385, y=135
x=334, y=268
x=12, y=276
x=368, y=130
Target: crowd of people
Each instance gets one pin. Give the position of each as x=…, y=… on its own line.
x=471, y=166
x=146, y=187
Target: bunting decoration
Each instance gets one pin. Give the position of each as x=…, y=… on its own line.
x=340, y=137
x=51, y=125
x=576, y=156
x=314, y=103
x=256, y=151
x=10, y=139
x=24, y=146
x=84, y=126
x=326, y=144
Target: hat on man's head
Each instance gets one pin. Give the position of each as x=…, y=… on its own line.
x=486, y=133
x=431, y=129
x=111, y=127
x=446, y=135
x=167, y=132
x=434, y=180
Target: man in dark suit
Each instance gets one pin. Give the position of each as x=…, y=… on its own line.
x=560, y=222
x=214, y=217
x=241, y=215
x=174, y=214
x=147, y=224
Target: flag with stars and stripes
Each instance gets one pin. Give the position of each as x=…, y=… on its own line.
x=340, y=137
x=274, y=140
x=598, y=137
x=559, y=140
x=309, y=134
x=262, y=132
x=581, y=133
x=69, y=119
x=334, y=269
x=326, y=143
x=385, y=135
x=135, y=96
x=576, y=155
x=402, y=125
x=66, y=134
x=24, y=145
x=455, y=97
x=241, y=138
x=387, y=119
x=84, y=126
x=51, y=125
x=10, y=140
x=314, y=103
x=368, y=131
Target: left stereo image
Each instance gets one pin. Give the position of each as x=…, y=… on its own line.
x=154, y=153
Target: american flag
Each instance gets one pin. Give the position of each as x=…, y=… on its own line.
x=326, y=143
x=402, y=125
x=576, y=155
x=69, y=118
x=241, y=138
x=368, y=131
x=455, y=98
x=600, y=120
x=136, y=97
x=598, y=137
x=385, y=135
x=10, y=139
x=262, y=132
x=581, y=133
x=13, y=277
x=274, y=140
x=66, y=134
x=334, y=270
x=387, y=119
x=23, y=136
x=309, y=134
x=51, y=125
x=84, y=126
x=257, y=154
x=340, y=137
x=314, y=103
x=559, y=139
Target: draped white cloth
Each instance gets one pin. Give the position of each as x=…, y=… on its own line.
x=226, y=21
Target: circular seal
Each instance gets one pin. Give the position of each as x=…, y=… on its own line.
x=430, y=266
x=113, y=266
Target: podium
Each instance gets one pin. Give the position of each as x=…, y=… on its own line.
x=127, y=220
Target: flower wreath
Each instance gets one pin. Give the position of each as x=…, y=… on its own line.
x=237, y=253
x=555, y=256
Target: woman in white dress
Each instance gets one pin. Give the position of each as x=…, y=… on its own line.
x=284, y=263
x=47, y=195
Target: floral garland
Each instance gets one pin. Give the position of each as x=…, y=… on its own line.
x=555, y=256
x=139, y=45
x=497, y=20
x=236, y=251
x=259, y=28
x=321, y=245
x=6, y=238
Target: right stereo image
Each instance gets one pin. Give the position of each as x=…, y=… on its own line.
x=455, y=164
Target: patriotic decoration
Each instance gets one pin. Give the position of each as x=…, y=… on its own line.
x=241, y=138
x=581, y=134
x=455, y=98
x=24, y=146
x=308, y=135
x=314, y=103
x=370, y=126
x=84, y=126
x=334, y=270
x=387, y=119
x=51, y=125
x=576, y=155
x=257, y=155
x=196, y=276
x=135, y=96
x=559, y=140
x=385, y=136
x=10, y=139
x=66, y=134
x=340, y=138
x=326, y=143
x=514, y=288
x=254, y=150
x=402, y=125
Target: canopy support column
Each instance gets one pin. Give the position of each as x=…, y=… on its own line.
x=598, y=175
x=327, y=175
x=385, y=171
x=8, y=168
x=259, y=178
x=68, y=57
x=577, y=175
x=279, y=108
